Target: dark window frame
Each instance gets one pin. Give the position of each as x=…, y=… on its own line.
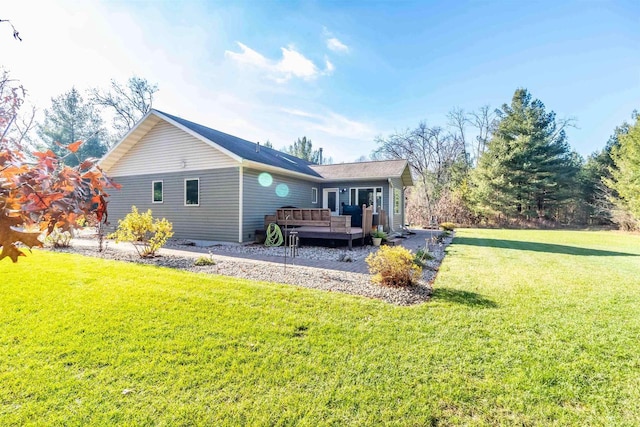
x=153, y=191
x=186, y=192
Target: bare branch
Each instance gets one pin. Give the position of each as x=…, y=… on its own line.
x=16, y=34
x=128, y=102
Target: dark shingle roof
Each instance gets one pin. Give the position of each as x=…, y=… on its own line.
x=247, y=149
x=381, y=169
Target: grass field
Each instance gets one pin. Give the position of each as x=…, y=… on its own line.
x=525, y=328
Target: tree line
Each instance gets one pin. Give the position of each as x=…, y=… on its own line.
x=506, y=166
x=74, y=116
x=518, y=169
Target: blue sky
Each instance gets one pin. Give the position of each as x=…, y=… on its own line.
x=340, y=72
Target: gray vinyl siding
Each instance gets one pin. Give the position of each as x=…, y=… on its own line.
x=216, y=218
x=260, y=201
x=343, y=196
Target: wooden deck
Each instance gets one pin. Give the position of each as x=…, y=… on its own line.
x=316, y=223
x=313, y=232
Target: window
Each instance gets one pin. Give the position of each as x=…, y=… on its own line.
x=366, y=196
x=397, y=199
x=157, y=196
x=314, y=195
x=192, y=192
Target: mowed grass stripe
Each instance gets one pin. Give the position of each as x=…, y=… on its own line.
x=525, y=327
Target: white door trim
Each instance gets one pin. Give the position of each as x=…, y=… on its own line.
x=325, y=199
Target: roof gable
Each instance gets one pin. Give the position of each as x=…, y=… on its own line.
x=236, y=148
x=241, y=150
x=382, y=169
x=246, y=149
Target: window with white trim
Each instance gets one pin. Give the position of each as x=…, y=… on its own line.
x=366, y=196
x=192, y=192
x=314, y=195
x=157, y=195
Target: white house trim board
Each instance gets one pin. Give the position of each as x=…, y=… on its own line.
x=325, y=199
x=268, y=168
x=240, y=203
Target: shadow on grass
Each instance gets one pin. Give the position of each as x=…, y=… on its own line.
x=456, y=296
x=536, y=247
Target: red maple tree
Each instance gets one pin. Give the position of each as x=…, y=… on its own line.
x=37, y=191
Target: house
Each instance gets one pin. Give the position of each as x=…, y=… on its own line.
x=215, y=186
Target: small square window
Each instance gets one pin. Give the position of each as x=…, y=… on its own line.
x=157, y=196
x=314, y=195
x=192, y=192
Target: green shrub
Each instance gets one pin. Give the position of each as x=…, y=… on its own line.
x=379, y=234
x=147, y=234
x=448, y=226
x=421, y=257
x=59, y=239
x=204, y=261
x=393, y=266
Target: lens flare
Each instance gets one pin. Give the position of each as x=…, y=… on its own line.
x=265, y=179
x=282, y=190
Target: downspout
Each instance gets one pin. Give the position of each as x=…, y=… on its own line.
x=240, y=202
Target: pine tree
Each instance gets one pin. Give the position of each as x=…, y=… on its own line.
x=625, y=174
x=528, y=168
x=68, y=120
x=303, y=149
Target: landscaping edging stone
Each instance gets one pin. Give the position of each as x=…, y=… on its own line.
x=182, y=255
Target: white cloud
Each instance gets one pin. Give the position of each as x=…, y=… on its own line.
x=333, y=43
x=293, y=64
x=329, y=67
x=334, y=124
x=248, y=56
x=336, y=45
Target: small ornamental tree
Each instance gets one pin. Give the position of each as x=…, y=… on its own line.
x=38, y=193
x=147, y=234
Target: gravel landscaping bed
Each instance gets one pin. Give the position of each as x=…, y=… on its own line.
x=181, y=254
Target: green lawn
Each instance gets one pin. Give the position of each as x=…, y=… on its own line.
x=525, y=328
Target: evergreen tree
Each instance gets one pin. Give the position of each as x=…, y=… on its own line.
x=303, y=149
x=528, y=169
x=625, y=174
x=598, y=197
x=68, y=120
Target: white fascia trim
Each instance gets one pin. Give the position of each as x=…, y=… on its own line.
x=274, y=169
x=352, y=179
x=240, y=203
x=200, y=137
x=124, y=138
